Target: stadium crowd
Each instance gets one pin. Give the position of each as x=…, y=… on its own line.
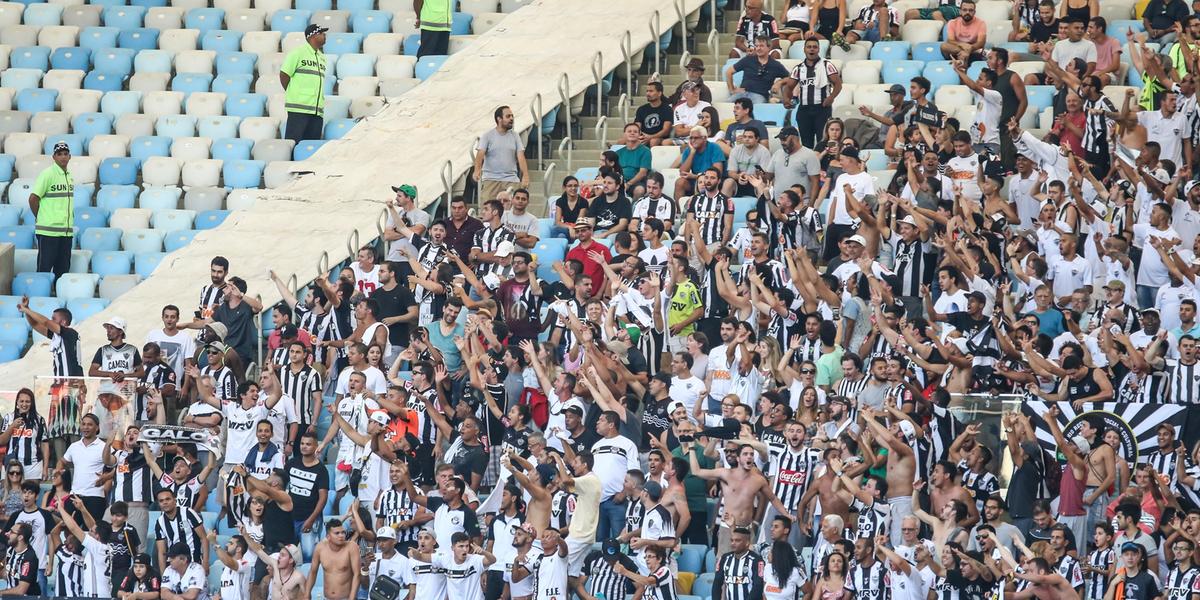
x=778, y=389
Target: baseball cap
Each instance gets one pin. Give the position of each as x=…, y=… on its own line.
x=314, y=29
x=380, y=417
x=142, y=559
x=179, y=549
x=1187, y=187
x=674, y=405
x=1133, y=547
x=897, y=89
x=610, y=550
x=288, y=332
x=504, y=249
x=1160, y=175
x=219, y=329
x=547, y=473
x=908, y=219
x=116, y=322
x=386, y=533
x=663, y=377
x=61, y=147
x=406, y=189
x=978, y=296
x=585, y=222
x=1150, y=310
x=786, y=131
x=1081, y=443
x=574, y=407
x=1116, y=283
x=850, y=152
x=858, y=239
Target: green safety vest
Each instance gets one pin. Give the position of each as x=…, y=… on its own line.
x=305, y=92
x=55, y=188
x=435, y=15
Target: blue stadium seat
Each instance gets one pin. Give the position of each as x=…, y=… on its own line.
x=703, y=585
x=121, y=103
x=306, y=148
x=178, y=239
x=889, y=51
x=92, y=124
x=112, y=262
x=336, y=128
x=119, y=171
x=14, y=330
x=233, y=83
x=204, y=19
x=175, y=126
x=289, y=20
x=42, y=15
x=901, y=71
x=10, y=216
x=241, y=174
x=74, y=286
x=314, y=5
x=83, y=197
x=159, y=198
x=343, y=43
x=112, y=197
x=7, y=162
x=138, y=39
x=772, y=115
x=32, y=284
x=75, y=142
x=35, y=100
x=1040, y=96
x=82, y=308
x=460, y=23
x=192, y=82
x=228, y=149
x=741, y=206
x=72, y=58
x=940, y=73
x=114, y=60
x=99, y=38
x=691, y=557
x=87, y=217
x=587, y=173
x=211, y=218
x=216, y=127
x=237, y=63
x=152, y=61
x=104, y=82
x=46, y=305
x=927, y=51
x=144, y=263
x=148, y=3
x=30, y=57
x=549, y=250
x=1117, y=29
x=428, y=65
x=142, y=240
x=371, y=21
x=221, y=40
x=412, y=43
x=20, y=236
x=975, y=69
x=145, y=146
x=11, y=352
x=124, y=17
x=8, y=306
x=354, y=6
x=355, y=65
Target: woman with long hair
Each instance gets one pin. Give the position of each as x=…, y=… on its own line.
x=25, y=436
x=782, y=578
x=832, y=583
x=10, y=494
x=567, y=208
x=375, y=357
x=697, y=346
x=60, y=490
x=768, y=349
x=830, y=19
x=142, y=581
x=808, y=413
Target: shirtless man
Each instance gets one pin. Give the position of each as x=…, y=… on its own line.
x=740, y=486
x=675, y=496
x=287, y=583
x=537, y=512
x=1047, y=584
x=899, y=438
x=1102, y=472
x=945, y=487
x=339, y=559
x=821, y=487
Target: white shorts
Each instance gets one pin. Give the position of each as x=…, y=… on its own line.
x=35, y=471
x=677, y=343
x=341, y=480
x=577, y=553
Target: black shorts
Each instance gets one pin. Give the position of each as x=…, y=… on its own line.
x=422, y=467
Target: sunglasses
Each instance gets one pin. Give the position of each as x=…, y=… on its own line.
x=807, y=371
x=11, y=473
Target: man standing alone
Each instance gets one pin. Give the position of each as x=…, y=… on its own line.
x=52, y=202
x=500, y=158
x=303, y=78
x=433, y=19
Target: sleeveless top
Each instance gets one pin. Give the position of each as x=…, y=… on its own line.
x=278, y=528
x=1008, y=105
x=1083, y=389
x=1078, y=12
x=1070, y=499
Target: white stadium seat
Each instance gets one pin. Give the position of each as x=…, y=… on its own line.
x=134, y=125
x=201, y=173
x=83, y=169
x=108, y=146
x=191, y=148
x=164, y=17
x=50, y=123
x=205, y=104
x=160, y=170
x=261, y=42
x=149, y=82
x=178, y=40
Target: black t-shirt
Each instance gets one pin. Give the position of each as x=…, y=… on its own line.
x=122, y=546
x=569, y=214
x=1139, y=587
x=652, y=119
x=968, y=589
x=393, y=304
x=303, y=485
x=927, y=114
x=655, y=419
x=150, y=584
x=1041, y=32
x=240, y=323
x=965, y=324
x=585, y=440
x=468, y=460
x=734, y=128
x=757, y=77
x=607, y=213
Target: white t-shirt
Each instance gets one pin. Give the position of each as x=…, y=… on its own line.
x=365, y=282
x=1070, y=275
x=96, y=582
x=689, y=115
x=551, y=571
x=280, y=416
x=773, y=589
x=175, y=348
x=913, y=585
x=240, y=425
x=1066, y=51
x=430, y=579
x=1020, y=193
x=861, y=184
x=355, y=410
x=1186, y=221
x=951, y=303
x=614, y=457
x=397, y=567
x=1167, y=131
x=986, y=129
x=718, y=368
x=462, y=579
x=687, y=391
x=235, y=584
x=87, y=462
x=192, y=578
x=963, y=172
x=376, y=381
x=1151, y=270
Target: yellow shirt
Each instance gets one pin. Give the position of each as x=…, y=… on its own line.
x=587, y=509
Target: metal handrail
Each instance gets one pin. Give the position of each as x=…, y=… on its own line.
x=260, y=340
x=535, y=107
x=714, y=42
x=322, y=264
x=712, y=13
x=352, y=242
x=380, y=223
x=626, y=100
x=602, y=132
x=448, y=180
x=627, y=53
x=564, y=94
x=597, y=68
x=655, y=35
x=567, y=146
x=683, y=31
x=546, y=179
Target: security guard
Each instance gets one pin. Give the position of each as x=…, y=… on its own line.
x=53, y=204
x=303, y=79
x=433, y=17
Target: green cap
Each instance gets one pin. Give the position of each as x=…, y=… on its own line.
x=407, y=190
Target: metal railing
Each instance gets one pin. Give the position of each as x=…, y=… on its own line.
x=601, y=131
x=714, y=42
x=683, y=30
x=655, y=37
x=598, y=74
x=627, y=54
x=547, y=179
x=535, y=107
x=564, y=94
x=567, y=146
x=626, y=102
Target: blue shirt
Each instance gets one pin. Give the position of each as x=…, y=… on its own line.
x=1050, y=322
x=445, y=343
x=708, y=157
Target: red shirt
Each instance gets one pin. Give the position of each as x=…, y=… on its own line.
x=590, y=267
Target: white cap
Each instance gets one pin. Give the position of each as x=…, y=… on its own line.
x=116, y=322
x=504, y=249
x=380, y=417
x=1160, y=175
x=857, y=238
x=1081, y=443
x=909, y=220
x=385, y=532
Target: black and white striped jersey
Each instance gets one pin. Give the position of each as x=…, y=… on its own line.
x=396, y=506
x=210, y=297
x=180, y=528
x=793, y=472
x=224, y=383
x=1096, y=584
x=300, y=386
x=156, y=376
x=634, y=513
x=562, y=509
x=739, y=576
x=812, y=82
x=133, y=476
x=25, y=444
x=850, y=388
x=1097, y=128
x=68, y=576
x=1183, y=383
x=487, y=240
x=982, y=486
x=603, y=579
x=912, y=265
x=872, y=518
x=64, y=350
x=868, y=583
x=710, y=212
x=1181, y=584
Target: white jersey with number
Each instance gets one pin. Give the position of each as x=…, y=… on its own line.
x=551, y=573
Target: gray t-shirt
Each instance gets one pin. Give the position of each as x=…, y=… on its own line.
x=415, y=216
x=793, y=169
x=743, y=159
x=525, y=223
x=500, y=155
